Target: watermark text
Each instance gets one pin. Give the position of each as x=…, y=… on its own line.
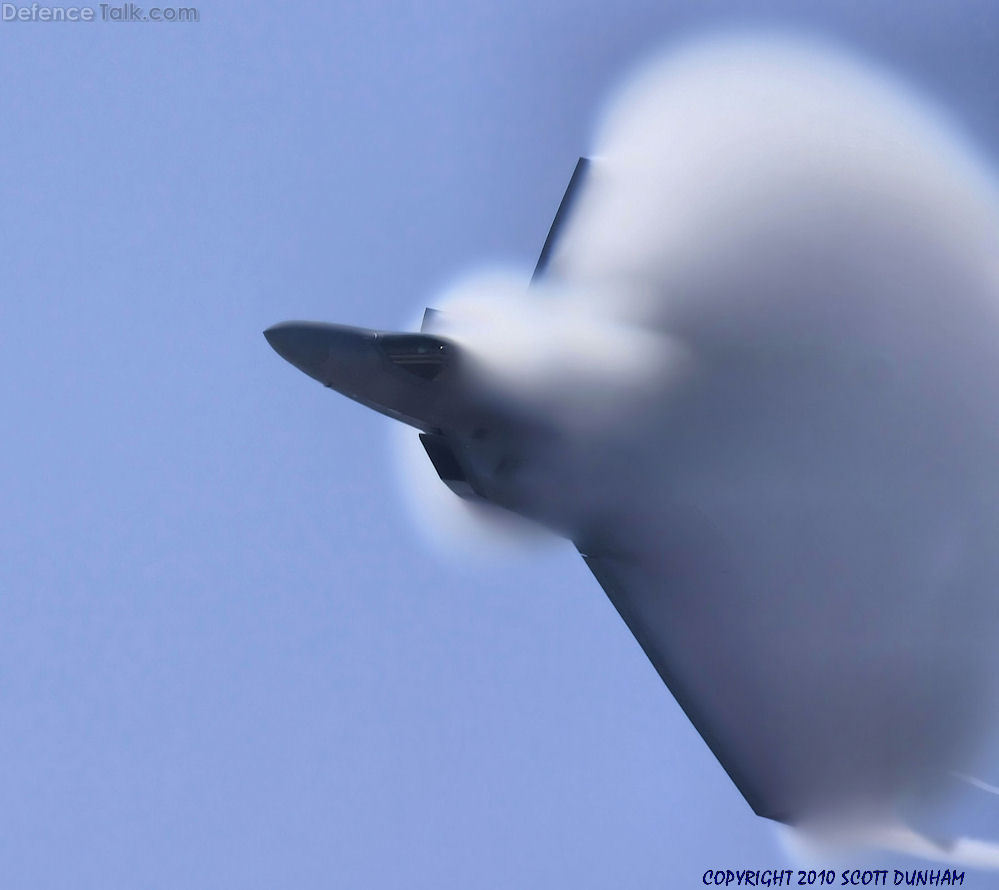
x=103, y=12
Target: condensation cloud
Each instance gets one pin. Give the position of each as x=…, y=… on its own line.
x=777, y=302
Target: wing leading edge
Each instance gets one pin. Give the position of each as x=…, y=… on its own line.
x=572, y=192
x=639, y=596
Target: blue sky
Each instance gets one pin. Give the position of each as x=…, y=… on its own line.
x=227, y=656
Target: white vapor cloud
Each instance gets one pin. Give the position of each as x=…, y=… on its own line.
x=767, y=341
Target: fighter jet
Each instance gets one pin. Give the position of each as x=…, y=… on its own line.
x=739, y=528
x=469, y=435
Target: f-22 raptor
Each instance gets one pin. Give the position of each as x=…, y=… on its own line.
x=709, y=527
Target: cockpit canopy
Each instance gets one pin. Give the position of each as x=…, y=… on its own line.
x=420, y=354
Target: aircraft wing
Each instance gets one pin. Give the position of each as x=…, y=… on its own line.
x=431, y=317
x=561, y=216
x=644, y=592
x=698, y=672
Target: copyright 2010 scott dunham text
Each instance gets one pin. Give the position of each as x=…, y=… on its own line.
x=102, y=12
x=855, y=877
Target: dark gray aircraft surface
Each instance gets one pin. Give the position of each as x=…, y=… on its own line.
x=419, y=380
x=768, y=616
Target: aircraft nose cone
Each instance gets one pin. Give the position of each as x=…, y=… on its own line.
x=327, y=352
x=305, y=345
x=389, y=372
